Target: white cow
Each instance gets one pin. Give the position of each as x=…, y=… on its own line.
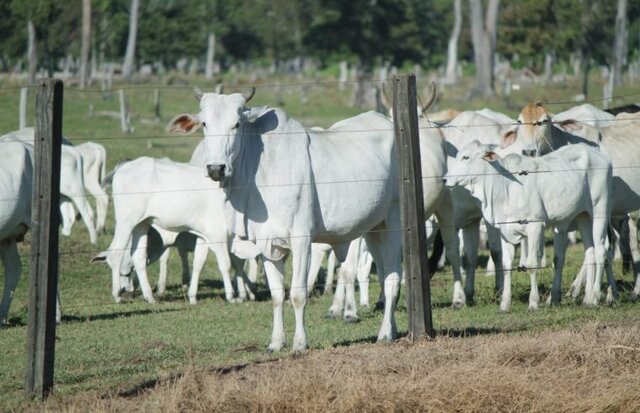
x=94, y=158
x=519, y=195
x=16, y=182
x=72, y=185
x=619, y=141
x=148, y=191
x=288, y=187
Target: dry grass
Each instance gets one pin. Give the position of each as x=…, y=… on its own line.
x=591, y=369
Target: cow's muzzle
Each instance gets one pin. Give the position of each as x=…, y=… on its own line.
x=216, y=172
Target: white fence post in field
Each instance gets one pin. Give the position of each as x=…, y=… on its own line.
x=43, y=277
x=24, y=94
x=414, y=241
x=125, y=123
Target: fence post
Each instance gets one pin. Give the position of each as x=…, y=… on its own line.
x=41, y=328
x=414, y=249
x=24, y=93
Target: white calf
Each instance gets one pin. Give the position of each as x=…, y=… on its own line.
x=172, y=196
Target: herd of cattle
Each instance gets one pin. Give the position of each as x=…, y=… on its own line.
x=261, y=184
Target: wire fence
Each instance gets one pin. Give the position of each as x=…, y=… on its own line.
x=424, y=125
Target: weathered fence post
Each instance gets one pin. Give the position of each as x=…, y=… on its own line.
x=41, y=328
x=414, y=249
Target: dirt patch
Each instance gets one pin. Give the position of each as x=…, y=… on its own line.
x=593, y=368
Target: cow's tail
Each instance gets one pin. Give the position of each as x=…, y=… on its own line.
x=108, y=180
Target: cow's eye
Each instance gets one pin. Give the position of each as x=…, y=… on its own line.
x=237, y=125
x=465, y=157
x=519, y=122
x=204, y=124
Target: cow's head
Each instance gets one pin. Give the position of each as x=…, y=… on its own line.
x=469, y=164
x=222, y=117
x=533, y=129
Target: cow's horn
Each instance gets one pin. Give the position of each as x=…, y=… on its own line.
x=432, y=98
x=384, y=99
x=253, y=92
x=197, y=93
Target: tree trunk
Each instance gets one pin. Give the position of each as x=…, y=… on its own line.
x=619, y=47
x=32, y=54
x=452, y=49
x=127, y=66
x=548, y=66
x=484, y=42
x=211, y=50
x=86, y=43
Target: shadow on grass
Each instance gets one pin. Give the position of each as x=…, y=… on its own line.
x=118, y=314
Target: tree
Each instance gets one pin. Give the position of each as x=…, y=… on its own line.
x=32, y=54
x=127, y=66
x=86, y=42
x=483, y=35
x=452, y=49
x=619, y=48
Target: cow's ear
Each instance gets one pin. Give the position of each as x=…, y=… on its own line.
x=253, y=113
x=569, y=125
x=508, y=138
x=490, y=156
x=183, y=124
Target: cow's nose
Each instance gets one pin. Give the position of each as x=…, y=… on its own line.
x=216, y=172
x=529, y=152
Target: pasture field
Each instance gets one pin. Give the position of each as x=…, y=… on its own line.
x=107, y=351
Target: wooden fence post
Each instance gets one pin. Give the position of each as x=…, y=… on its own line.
x=41, y=328
x=414, y=249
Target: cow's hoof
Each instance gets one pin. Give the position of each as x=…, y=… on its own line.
x=351, y=319
x=331, y=315
x=457, y=305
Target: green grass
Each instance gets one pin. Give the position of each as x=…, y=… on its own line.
x=104, y=346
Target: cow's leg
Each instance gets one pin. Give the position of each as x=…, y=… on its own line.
x=102, y=205
x=139, y=259
x=245, y=286
x=221, y=249
x=600, y=225
x=446, y=219
x=199, y=257
x=508, y=251
x=494, y=239
x=317, y=255
x=12, y=268
x=331, y=270
x=162, y=272
x=633, y=241
x=585, y=226
x=535, y=250
x=301, y=251
x=385, y=249
x=86, y=212
x=68, y=215
x=578, y=282
x=560, y=242
x=471, y=239
x=364, y=269
x=274, y=271
x=349, y=270
x=184, y=261
x=337, y=305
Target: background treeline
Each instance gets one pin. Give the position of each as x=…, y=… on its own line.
x=289, y=34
